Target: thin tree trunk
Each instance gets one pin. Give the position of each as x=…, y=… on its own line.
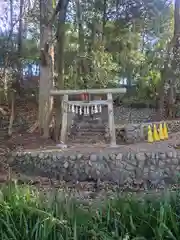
x=104, y=19
x=19, y=75
x=117, y=9
x=11, y=19
x=12, y=116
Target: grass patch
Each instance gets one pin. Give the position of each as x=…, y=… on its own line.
x=26, y=214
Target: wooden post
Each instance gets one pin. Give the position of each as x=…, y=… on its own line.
x=111, y=120
x=142, y=132
x=64, y=120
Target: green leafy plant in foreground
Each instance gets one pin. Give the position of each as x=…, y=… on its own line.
x=27, y=214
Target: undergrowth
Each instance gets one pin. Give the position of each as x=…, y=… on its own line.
x=27, y=214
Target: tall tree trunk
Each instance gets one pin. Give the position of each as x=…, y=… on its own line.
x=173, y=73
x=60, y=60
x=175, y=62
x=92, y=46
x=81, y=59
x=46, y=77
x=12, y=91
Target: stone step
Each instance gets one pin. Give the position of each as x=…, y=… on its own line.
x=88, y=127
x=86, y=124
x=88, y=121
x=87, y=140
x=95, y=136
x=91, y=130
x=88, y=134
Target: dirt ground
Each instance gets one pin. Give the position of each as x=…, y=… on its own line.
x=28, y=141
x=23, y=140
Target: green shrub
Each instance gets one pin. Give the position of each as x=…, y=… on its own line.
x=27, y=214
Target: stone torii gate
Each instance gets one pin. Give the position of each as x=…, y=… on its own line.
x=75, y=106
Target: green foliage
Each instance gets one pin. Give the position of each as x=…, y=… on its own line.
x=27, y=214
x=146, y=86
x=104, y=71
x=30, y=50
x=133, y=47
x=120, y=40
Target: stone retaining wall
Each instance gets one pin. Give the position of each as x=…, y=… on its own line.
x=137, y=115
x=138, y=132
x=148, y=169
x=134, y=115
